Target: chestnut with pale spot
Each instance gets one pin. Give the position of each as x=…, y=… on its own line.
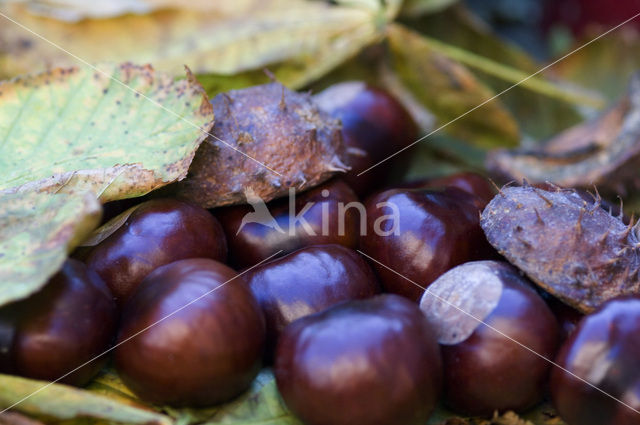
x=498, y=337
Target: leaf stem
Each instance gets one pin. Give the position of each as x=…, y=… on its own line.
x=515, y=76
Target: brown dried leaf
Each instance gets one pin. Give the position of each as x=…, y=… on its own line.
x=603, y=152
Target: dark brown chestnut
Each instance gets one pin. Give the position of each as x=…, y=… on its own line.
x=485, y=314
x=323, y=215
x=308, y=281
x=373, y=362
x=601, y=381
x=156, y=233
x=68, y=323
x=374, y=126
x=192, y=335
x=469, y=182
x=567, y=316
x=420, y=234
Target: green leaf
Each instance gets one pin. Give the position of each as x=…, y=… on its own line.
x=74, y=10
x=605, y=65
x=298, y=71
x=443, y=155
x=260, y=405
x=417, y=8
x=539, y=116
x=37, y=231
x=75, y=130
x=332, y=51
x=514, y=76
x=63, y=403
x=449, y=90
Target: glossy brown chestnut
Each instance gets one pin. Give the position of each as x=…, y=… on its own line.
x=567, y=317
x=420, y=234
x=469, y=182
x=156, y=233
x=199, y=335
x=374, y=126
x=319, y=216
x=308, y=281
x=373, y=362
x=603, y=352
x=485, y=367
x=71, y=321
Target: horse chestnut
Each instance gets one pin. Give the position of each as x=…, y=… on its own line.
x=421, y=234
x=486, y=364
x=194, y=335
x=307, y=281
x=63, y=326
x=373, y=361
x=601, y=355
x=323, y=215
x=469, y=182
x=567, y=317
x=156, y=233
x=374, y=126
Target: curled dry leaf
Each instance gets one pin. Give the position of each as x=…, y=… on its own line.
x=603, y=152
x=62, y=402
x=269, y=126
x=76, y=129
x=571, y=248
x=37, y=231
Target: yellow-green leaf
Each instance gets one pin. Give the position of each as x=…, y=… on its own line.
x=62, y=402
x=37, y=231
x=298, y=71
x=539, y=116
x=605, y=65
x=417, y=8
x=76, y=10
x=258, y=34
x=75, y=129
x=449, y=90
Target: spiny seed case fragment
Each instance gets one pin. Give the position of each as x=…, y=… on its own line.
x=572, y=248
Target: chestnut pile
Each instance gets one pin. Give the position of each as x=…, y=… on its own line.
x=194, y=302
